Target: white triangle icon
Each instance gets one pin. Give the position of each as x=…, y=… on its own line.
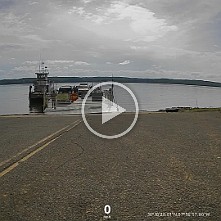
x=110, y=110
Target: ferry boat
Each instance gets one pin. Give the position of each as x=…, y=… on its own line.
x=39, y=93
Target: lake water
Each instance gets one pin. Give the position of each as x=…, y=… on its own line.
x=151, y=97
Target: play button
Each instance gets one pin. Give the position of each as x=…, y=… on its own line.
x=110, y=121
x=110, y=110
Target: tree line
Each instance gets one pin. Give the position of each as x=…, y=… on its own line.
x=116, y=79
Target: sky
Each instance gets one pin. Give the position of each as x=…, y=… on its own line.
x=178, y=39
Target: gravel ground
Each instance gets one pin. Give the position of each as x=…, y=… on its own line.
x=169, y=165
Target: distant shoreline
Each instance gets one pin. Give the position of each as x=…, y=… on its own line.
x=117, y=79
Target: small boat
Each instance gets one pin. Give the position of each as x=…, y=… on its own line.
x=172, y=109
x=39, y=93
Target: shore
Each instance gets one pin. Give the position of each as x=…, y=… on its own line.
x=54, y=168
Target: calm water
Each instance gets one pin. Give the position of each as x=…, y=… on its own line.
x=151, y=97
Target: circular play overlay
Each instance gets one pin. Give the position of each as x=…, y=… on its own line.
x=111, y=118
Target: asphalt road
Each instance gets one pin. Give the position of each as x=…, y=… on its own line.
x=169, y=165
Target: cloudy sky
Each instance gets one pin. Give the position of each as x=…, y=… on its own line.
x=135, y=38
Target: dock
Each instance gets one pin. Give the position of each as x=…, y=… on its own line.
x=53, y=168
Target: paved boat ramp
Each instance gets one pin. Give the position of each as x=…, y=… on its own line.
x=167, y=168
